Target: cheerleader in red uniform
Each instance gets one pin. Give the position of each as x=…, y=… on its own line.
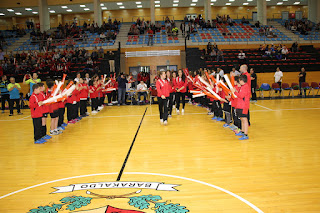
x=163, y=93
x=181, y=88
x=172, y=93
x=83, y=88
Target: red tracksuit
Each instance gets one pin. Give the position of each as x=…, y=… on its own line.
x=243, y=98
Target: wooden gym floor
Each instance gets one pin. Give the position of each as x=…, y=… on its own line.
x=276, y=171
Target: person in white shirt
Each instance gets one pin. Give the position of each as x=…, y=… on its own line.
x=142, y=90
x=77, y=79
x=278, y=77
x=234, y=72
x=242, y=57
x=221, y=72
x=284, y=52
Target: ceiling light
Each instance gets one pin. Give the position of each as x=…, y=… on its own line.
x=175, y=1
x=1, y=14
x=52, y=11
x=82, y=5
x=34, y=12
x=228, y=3
x=194, y=0
x=86, y=9
x=157, y=5
x=28, y=9
x=249, y=0
x=279, y=3
x=101, y=4
x=138, y=2
x=175, y=5
x=69, y=10
x=104, y=8
x=297, y=2
x=246, y=3
x=157, y=2
x=64, y=7
x=268, y=0
x=18, y=14
x=119, y=3
x=213, y=0
x=212, y=4
x=193, y=4
x=121, y=7
x=139, y=6
x=284, y=0
x=10, y=10
x=231, y=0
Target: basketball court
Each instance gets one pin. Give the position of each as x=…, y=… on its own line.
x=122, y=158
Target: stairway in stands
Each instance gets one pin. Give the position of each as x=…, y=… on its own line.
x=284, y=30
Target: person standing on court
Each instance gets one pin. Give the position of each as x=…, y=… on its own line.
x=14, y=91
x=111, y=58
x=163, y=93
x=122, y=87
x=278, y=78
x=253, y=85
x=302, y=78
x=244, y=71
x=31, y=81
x=4, y=92
x=181, y=88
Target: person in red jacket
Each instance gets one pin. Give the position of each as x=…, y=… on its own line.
x=243, y=104
x=45, y=112
x=244, y=71
x=94, y=91
x=172, y=93
x=181, y=88
x=83, y=95
x=36, y=114
x=163, y=93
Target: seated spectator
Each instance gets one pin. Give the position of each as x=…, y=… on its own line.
x=295, y=47
x=102, y=37
x=220, y=55
x=142, y=91
x=175, y=31
x=284, y=52
x=242, y=57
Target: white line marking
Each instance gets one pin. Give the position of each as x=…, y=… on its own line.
x=143, y=173
x=123, y=116
x=263, y=107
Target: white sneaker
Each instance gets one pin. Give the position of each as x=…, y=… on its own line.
x=110, y=104
x=58, y=132
x=53, y=132
x=178, y=112
x=100, y=108
x=94, y=112
x=182, y=112
x=165, y=123
x=170, y=116
x=161, y=121
x=87, y=113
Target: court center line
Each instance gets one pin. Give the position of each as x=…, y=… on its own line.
x=141, y=173
x=263, y=107
x=128, y=154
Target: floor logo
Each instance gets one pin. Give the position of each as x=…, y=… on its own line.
x=135, y=199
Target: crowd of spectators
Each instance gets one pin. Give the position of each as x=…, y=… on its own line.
x=142, y=26
x=72, y=32
x=301, y=26
x=50, y=62
x=279, y=52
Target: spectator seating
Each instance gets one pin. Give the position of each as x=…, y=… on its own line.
x=157, y=39
x=237, y=33
x=261, y=63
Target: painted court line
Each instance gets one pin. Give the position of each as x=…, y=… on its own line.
x=123, y=116
x=143, y=173
x=263, y=107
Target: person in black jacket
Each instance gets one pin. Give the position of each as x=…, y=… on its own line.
x=122, y=89
x=4, y=92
